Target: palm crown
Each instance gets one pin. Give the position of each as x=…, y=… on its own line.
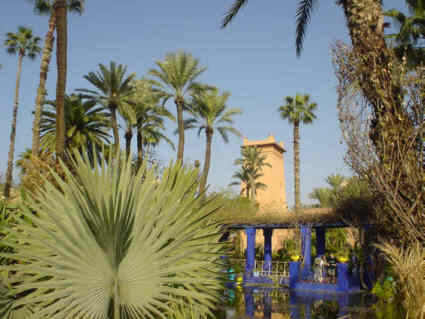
x=46, y=6
x=23, y=43
x=209, y=112
x=87, y=125
x=113, y=89
x=175, y=78
x=149, y=116
x=298, y=109
x=252, y=163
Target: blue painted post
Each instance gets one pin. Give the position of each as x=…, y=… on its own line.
x=320, y=241
x=306, y=244
x=307, y=308
x=343, y=278
x=268, y=232
x=250, y=252
x=249, y=303
x=294, y=305
x=294, y=273
x=267, y=300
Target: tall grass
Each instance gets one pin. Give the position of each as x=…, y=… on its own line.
x=409, y=265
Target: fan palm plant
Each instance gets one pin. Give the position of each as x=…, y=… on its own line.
x=297, y=110
x=43, y=7
x=210, y=112
x=24, y=44
x=113, y=244
x=175, y=78
x=87, y=125
x=113, y=89
x=252, y=161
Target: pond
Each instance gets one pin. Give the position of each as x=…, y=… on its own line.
x=276, y=303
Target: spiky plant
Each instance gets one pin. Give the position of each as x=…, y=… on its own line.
x=113, y=244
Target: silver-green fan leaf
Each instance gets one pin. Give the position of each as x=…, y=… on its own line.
x=111, y=244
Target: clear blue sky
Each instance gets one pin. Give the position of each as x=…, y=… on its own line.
x=254, y=59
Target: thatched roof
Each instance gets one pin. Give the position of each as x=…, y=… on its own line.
x=314, y=217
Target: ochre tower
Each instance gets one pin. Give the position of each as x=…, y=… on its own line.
x=273, y=197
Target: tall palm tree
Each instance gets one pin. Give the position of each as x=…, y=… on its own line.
x=209, y=113
x=297, y=110
x=175, y=78
x=61, y=15
x=411, y=31
x=24, y=44
x=43, y=7
x=87, y=124
x=113, y=89
x=252, y=161
x=365, y=22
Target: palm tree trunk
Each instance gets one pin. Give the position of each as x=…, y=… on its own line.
x=383, y=91
x=9, y=172
x=128, y=138
x=114, y=123
x=209, y=134
x=253, y=189
x=61, y=59
x=180, y=125
x=41, y=91
x=297, y=165
x=139, y=147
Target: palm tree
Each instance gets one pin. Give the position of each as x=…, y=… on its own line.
x=210, y=112
x=411, y=31
x=242, y=177
x=147, y=117
x=113, y=90
x=24, y=44
x=61, y=15
x=252, y=163
x=114, y=244
x=365, y=22
x=87, y=125
x=297, y=110
x=46, y=7
x=175, y=78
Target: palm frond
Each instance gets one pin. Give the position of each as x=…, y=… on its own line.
x=303, y=15
x=233, y=11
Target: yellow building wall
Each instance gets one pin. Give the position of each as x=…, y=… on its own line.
x=273, y=197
